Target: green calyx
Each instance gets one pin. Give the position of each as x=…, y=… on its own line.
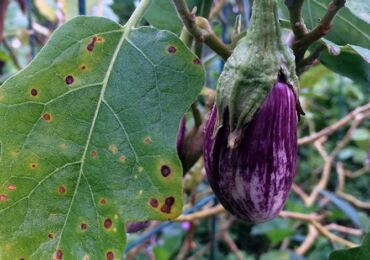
x=251, y=71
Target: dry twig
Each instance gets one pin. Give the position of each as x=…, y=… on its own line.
x=357, y=113
x=309, y=240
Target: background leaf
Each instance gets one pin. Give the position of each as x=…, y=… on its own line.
x=348, y=42
x=350, y=60
x=358, y=253
x=162, y=14
x=87, y=145
x=348, y=28
x=48, y=8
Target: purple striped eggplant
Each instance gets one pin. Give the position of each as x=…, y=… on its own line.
x=252, y=181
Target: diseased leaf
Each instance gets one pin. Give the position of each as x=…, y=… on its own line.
x=88, y=139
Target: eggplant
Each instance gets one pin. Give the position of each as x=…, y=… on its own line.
x=252, y=181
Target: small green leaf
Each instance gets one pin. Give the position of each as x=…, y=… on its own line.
x=357, y=253
x=88, y=134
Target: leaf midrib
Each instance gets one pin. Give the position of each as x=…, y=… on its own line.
x=98, y=106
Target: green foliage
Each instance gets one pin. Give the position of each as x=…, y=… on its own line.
x=358, y=253
x=162, y=14
x=276, y=230
x=88, y=139
x=348, y=42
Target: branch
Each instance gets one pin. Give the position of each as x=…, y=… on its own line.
x=310, y=60
x=323, y=231
x=309, y=240
x=200, y=29
x=3, y=8
x=304, y=38
x=353, y=200
x=325, y=25
x=355, y=114
x=296, y=19
x=300, y=216
x=344, y=229
x=188, y=18
x=206, y=213
x=232, y=246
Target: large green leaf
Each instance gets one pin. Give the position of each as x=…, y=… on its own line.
x=88, y=135
x=357, y=253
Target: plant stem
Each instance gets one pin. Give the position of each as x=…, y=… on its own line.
x=137, y=15
x=3, y=8
x=200, y=29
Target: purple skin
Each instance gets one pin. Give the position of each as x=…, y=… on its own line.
x=253, y=180
x=133, y=227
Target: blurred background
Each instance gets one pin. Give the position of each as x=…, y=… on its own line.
x=329, y=204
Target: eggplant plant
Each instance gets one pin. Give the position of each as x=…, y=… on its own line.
x=99, y=132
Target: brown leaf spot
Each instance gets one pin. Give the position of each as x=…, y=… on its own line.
x=11, y=187
x=59, y=254
x=91, y=44
x=83, y=226
x=165, y=170
x=147, y=140
x=168, y=203
x=34, y=92
x=110, y=255
x=62, y=189
x=22, y=258
x=93, y=154
x=100, y=39
x=86, y=257
x=34, y=165
x=197, y=61
x=47, y=117
x=51, y=235
x=154, y=202
x=103, y=201
x=82, y=67
x=3, y=198
x=122, y=158
x=108, y=223
x=171, y=49
x=69, y=79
